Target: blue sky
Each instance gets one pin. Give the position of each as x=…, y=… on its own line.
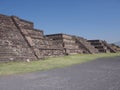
x=91, y=19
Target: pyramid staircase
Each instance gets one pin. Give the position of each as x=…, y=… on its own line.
x=86, y=46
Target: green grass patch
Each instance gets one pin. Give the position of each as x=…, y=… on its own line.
x=49, y=63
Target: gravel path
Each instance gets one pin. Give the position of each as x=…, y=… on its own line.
x=100, y=74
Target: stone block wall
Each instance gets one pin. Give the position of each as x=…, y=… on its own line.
x=73, y=44
x=19, y=41
x=115, y=47
x=85, y=45
x=102, y=46
x=41, y=46
x=13, y=47
x=66, y=41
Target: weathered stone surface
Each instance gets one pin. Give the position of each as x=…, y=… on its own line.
x=19, y=41
x=102, y=46
x=115, y=47
x=73, y=44
x=13, y=47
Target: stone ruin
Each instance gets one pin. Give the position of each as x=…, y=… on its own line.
x=19, y=41
x=115, y=47
x=73, y=44
x=102, y=46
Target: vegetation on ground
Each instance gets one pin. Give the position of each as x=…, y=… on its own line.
x=49, y=63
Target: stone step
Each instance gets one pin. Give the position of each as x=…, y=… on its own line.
x=7, y=55
x=4, y=50
x=86, y=45
x=15, y=58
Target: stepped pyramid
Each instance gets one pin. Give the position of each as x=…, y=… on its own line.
x=19, y=41
x=102, y=46
x=13, y=46
x=73, y=44
x=85, y=45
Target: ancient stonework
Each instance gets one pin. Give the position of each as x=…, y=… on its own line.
x=73, y=44
x=19, y=41
x=13, y=46
x=102, y=46
x=115, y=47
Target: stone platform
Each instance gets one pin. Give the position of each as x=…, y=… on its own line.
x=20, y=41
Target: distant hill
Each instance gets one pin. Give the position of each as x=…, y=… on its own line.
x=117, y=43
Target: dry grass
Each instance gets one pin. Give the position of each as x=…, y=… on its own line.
x=49, y=63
